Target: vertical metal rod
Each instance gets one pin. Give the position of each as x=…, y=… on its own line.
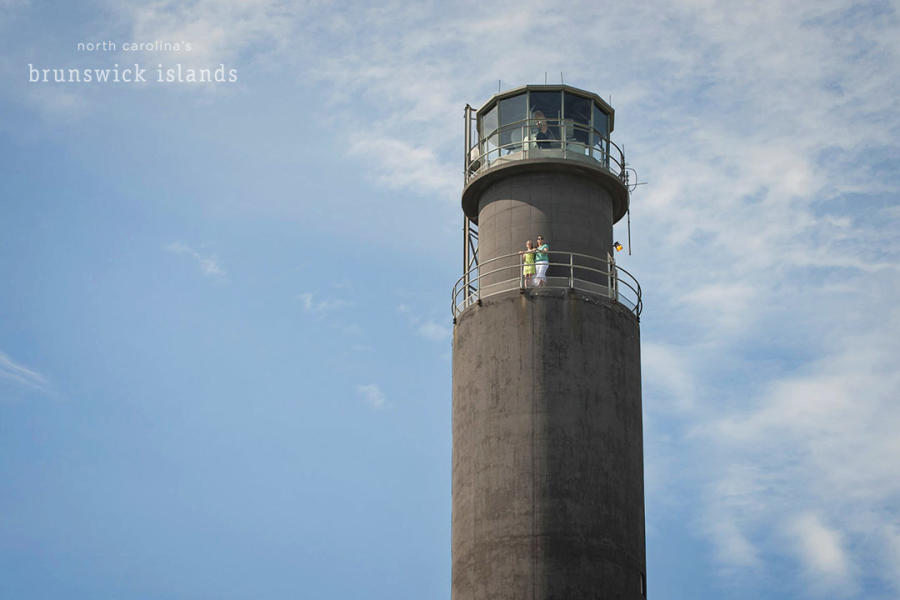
x=466, y=259
x=467, y=136
x=628, y=213
x=571, y=271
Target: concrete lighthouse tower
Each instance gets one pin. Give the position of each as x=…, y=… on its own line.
x=548, y=491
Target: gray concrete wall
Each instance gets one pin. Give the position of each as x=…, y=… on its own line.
x=571, y=210
x=548, y=499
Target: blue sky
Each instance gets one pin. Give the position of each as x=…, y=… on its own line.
x=224, y=308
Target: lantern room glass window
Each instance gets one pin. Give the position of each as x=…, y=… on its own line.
x=513, y=113
x=542, y=122
x=600, y=136
x=577, y=111
x=488, y=135
x=546, y=113
x=601, y=121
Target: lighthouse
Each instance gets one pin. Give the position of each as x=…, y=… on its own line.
x=548, y=489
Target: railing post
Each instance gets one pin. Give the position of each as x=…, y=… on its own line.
x=571, y=271
x=615, y=280
x=478, y=291
x=610, y=261
x=616, y=285
x=522, y=272
x=526, y=139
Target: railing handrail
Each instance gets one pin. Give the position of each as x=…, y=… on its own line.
x=616, y=277
x=532, y=122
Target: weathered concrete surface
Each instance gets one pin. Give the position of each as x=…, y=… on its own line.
x=548, y=499
x=573, y=213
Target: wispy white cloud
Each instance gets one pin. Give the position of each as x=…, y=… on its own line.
x=209, y=264
x=667, y=369
x=400, y=164
x=217, y=31
x=311, y=304
x=426, y=328
x=804, y=464
x=371, y=394
x=821, y=551
x=732, y=544
x=890, y=563
x=434, y=331
x=19, y=375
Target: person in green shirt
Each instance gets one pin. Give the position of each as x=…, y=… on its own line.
x=541, y=261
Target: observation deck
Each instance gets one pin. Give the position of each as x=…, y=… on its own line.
x=590, y=275
x=546, y=127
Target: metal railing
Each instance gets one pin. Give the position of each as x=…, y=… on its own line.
x=563, y=138
x=568, y=270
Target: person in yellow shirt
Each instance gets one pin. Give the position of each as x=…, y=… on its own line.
x=528, y=262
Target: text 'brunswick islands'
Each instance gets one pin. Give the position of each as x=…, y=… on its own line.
x=133, y=73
